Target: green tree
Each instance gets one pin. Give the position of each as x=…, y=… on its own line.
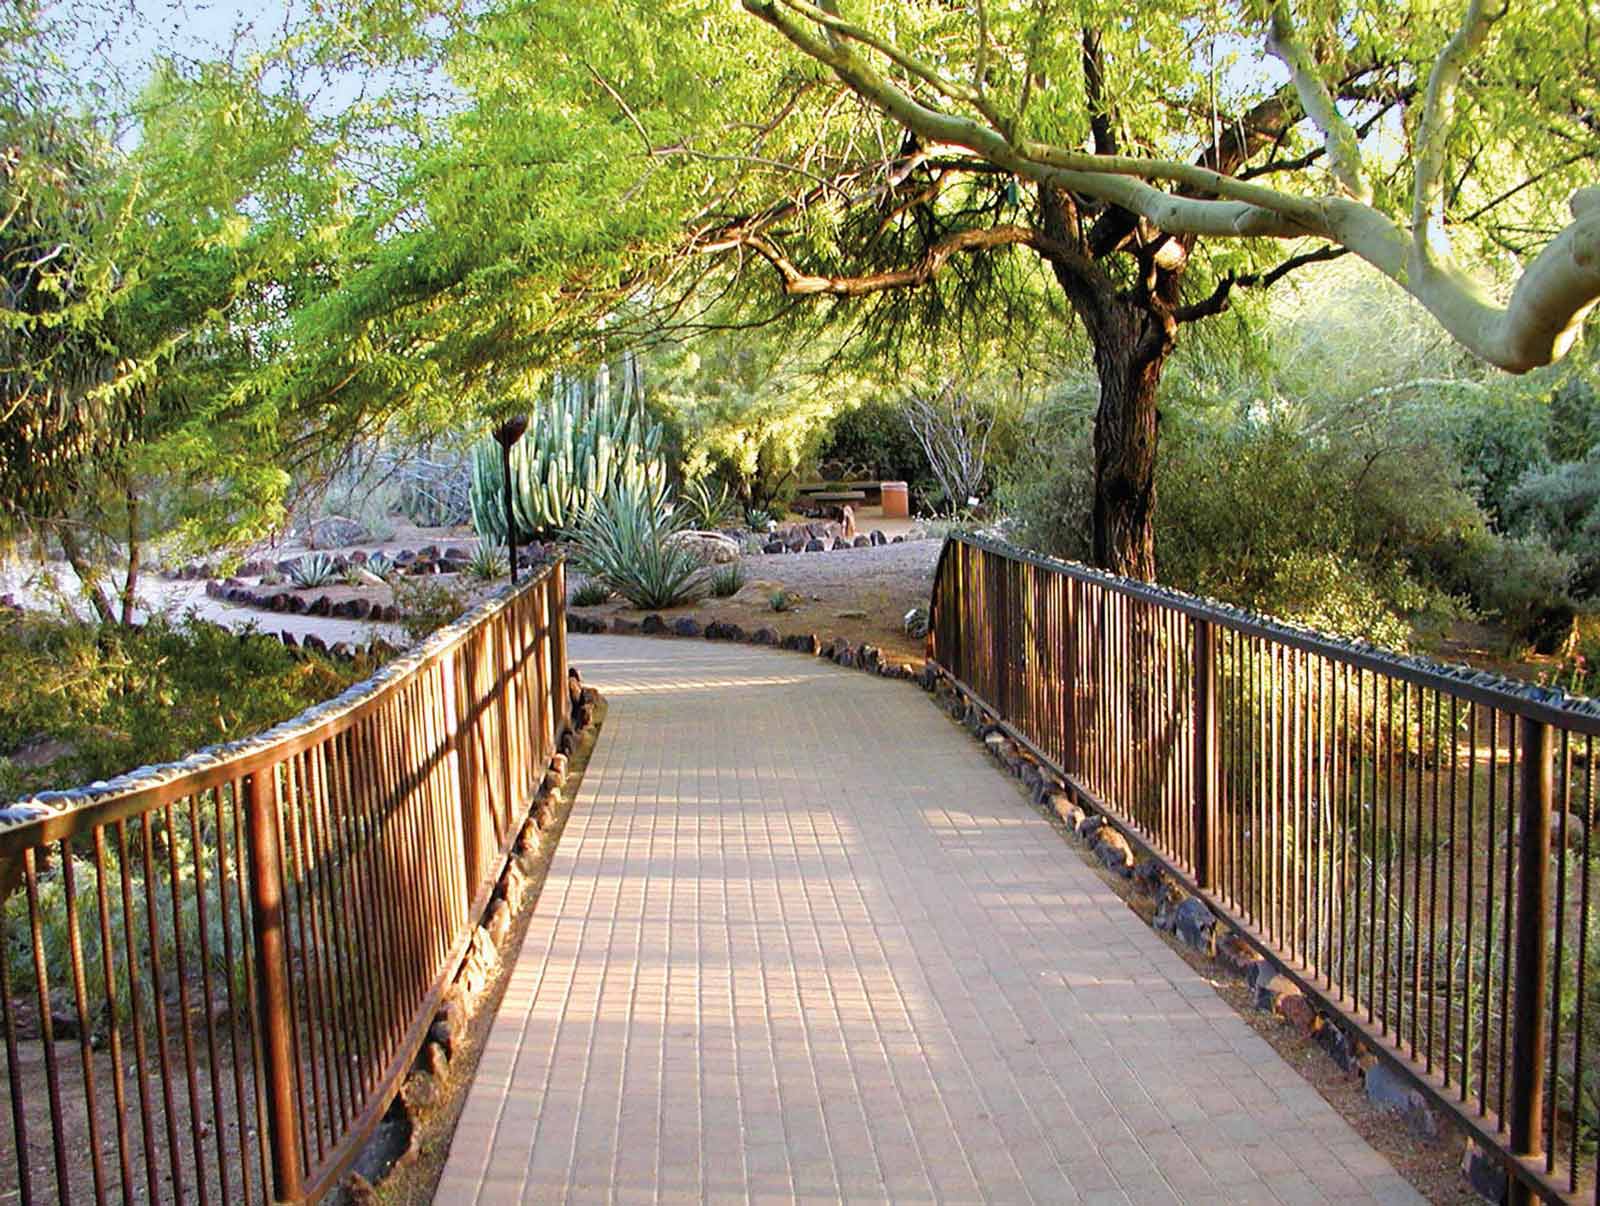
x=1168, y=166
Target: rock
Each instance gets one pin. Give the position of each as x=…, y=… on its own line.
x=773, y=546
x=844, y=655
x=803, y=642
x=624, y=627
x=449, y=1026
x=1484, y=1173
x=1149, y=876
x=1270, y=988
x=1345, y=1051
x=1237, y=954
x=897, y=540
x=869, y=658
x=366, y=577
x=1113, y=850
x=997, y=744
x=764, y=636
x=861, y=542
x=335, y=531
x=498, y=923
x=711, y=548
x=457, y=553
x=716, y=630
x=1388, y=1091
x=360, y=609
x=1059, y=803
x=1565, y=827
x=815, y=546
x=686, y=626
x=652, y=625
x=312, y=643
x=877, y=537
x=1090, y=825
x=1301, y=1014
x=1194, y=925
x=1075, y=815
x=732, y=632
x=320, y=606
x=434, y=1060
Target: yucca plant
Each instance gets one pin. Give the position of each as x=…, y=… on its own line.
x=703, y=509
x=487, y=561
x=590, y=593
x=314, y=569
x=727, y=579
x=624, y=541
x=584, y=439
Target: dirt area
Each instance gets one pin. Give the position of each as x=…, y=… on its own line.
x=859, y=594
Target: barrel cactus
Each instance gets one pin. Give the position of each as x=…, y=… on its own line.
x=584, y=439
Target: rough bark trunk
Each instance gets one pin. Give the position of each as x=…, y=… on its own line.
x=130, y=582
x=1131, y=346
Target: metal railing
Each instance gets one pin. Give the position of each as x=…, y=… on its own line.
x=215, y=975
x=1380, y=826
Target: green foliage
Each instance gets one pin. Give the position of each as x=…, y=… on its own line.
x=703, y=509
x=591, y=592
x=426, y=604
x=121, y=698
x=381, y=565
x=726, y=580
x=488, y=561
x=314, y=569
x=624, y=541
x=780, y=600
x=1562, y=504
x=584, y=440
x=873, y=440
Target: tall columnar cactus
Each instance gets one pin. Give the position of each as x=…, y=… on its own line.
x=584, y=439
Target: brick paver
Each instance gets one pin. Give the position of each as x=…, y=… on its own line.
x=802, y=941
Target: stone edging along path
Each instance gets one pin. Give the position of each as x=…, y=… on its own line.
x=1177, y=913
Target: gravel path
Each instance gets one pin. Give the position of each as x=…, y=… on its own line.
x=892, y=569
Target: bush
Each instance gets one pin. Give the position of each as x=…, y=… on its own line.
x=487, y=562
x=1515, y=579
x=120, y=698
x=726, y=580
x=1562, y=504
x=590, y=593
x=703, y=509
x=426, y=604
x=780, y=600
x=624, y=541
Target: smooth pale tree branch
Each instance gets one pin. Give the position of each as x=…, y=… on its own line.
x=1536, y=327
x=1438, y=114
x=1344, y=153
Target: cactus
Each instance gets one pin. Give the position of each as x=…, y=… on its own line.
x=583, y=441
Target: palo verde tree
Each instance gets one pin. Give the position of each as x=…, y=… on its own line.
x=1159, y=159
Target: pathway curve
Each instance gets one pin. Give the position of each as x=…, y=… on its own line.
x=801, y=940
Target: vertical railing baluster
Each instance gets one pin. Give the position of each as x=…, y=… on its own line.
x=1205, y=751
x=1528, y=1027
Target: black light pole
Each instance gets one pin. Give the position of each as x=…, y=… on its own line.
x=507, y=434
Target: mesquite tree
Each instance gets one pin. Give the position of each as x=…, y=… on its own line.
x=1229, y=146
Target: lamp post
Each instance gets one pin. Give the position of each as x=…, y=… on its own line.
x=507, y=434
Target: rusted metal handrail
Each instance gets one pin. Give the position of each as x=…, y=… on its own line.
x=1380, y=826
x=269, y=926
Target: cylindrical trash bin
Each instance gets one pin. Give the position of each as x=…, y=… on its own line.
x=896, y=501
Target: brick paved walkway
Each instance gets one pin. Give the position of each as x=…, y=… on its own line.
x=801, y=940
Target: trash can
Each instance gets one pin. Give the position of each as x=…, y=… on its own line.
x=896, y=501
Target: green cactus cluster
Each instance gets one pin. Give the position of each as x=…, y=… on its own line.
x=584, y=439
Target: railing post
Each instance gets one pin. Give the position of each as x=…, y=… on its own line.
x=272, y=986
x=1205, y=751
x=1531, y=988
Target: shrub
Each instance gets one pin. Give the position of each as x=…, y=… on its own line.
x=590, y=593
x=780, y=600
x=759, y=520
x=487, y=562
x=381, y=565
x=1516, y=579
x=120, y=698
x=703, y=509
x=727, y=579
x=625, y=542
x=426, y=604
x=314, y=569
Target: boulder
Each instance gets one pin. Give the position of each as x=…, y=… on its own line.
x=815, y=546
x=1388, y=1091
x=336, y=531
x=764, y=636
x=711, y=548
x=1112, y=849
x=687, y=627
x=877, y=537
x=652, y=625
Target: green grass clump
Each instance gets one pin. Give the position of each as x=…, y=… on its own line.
x=727, y=580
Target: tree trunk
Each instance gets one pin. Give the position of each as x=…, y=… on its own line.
x=1131, y=346
x=129, y=598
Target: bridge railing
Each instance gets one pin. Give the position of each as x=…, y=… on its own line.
x=214, y=975
x=1412, y=843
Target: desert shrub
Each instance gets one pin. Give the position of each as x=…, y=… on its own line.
x=1562, y=504
x=780, y=600
x=121, y=698
x=624, y=541
x=590, y=593
x=702, y=508
x=487, y=561
x=727, y=579
x=314, y=569
x=426, y=604
x=1516, y=578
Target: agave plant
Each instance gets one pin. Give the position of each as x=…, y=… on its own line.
x=701, y=507
x=487, y=561
x=624, y=541
x=584, y=440
x=726, y=580
x=314, y=569
x=590, y=593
